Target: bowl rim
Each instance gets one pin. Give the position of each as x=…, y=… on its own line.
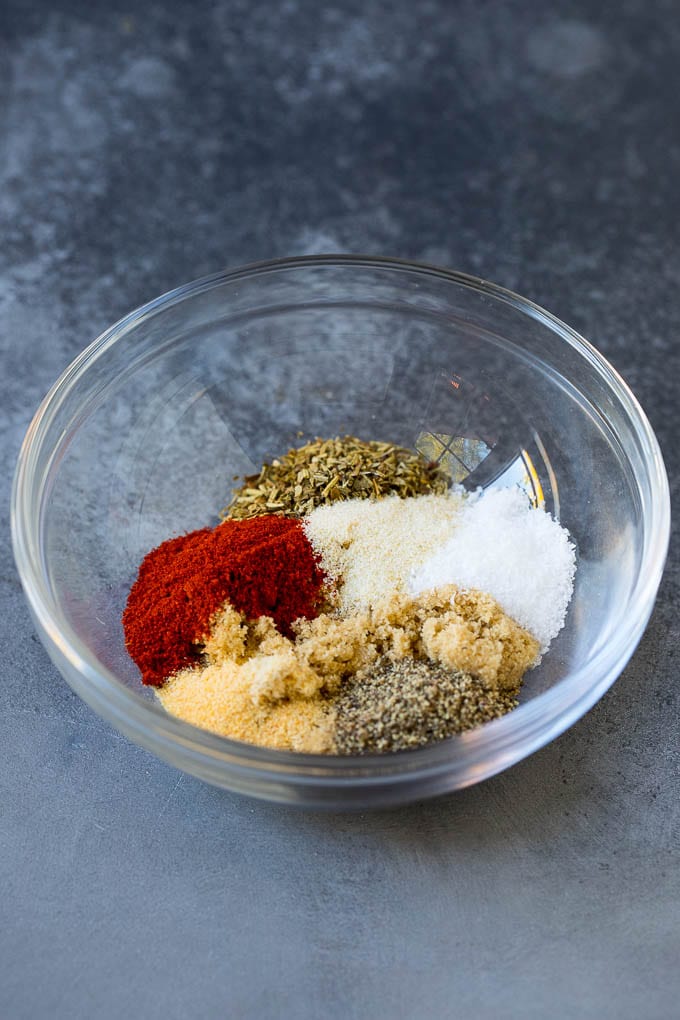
x=531, y=725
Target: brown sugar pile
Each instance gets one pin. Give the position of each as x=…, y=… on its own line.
x=261, y=687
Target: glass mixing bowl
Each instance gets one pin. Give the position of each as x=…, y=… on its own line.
x=141, y=437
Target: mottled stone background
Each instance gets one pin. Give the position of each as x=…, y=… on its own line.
x=142, y=146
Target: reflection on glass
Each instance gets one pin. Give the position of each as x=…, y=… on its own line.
x=459, y=456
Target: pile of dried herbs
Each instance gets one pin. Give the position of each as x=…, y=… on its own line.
x=330, y=470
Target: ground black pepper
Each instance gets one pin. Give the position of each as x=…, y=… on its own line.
x=411, y=703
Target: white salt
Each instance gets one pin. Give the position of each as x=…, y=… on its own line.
x=514, y=552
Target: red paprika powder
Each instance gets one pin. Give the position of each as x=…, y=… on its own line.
x=264, y=566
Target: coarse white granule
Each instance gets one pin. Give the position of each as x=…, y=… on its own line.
x=371, y=547
x=514, y=552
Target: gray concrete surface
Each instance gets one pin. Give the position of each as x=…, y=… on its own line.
x=142, y=146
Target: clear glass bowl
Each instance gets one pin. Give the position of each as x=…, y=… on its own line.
x=142, y=435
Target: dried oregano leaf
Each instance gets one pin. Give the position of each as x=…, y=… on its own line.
x=330, y=470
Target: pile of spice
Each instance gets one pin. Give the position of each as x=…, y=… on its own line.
x=369, y=548
x=259, y=686
x=518, y=554
x=492, y=541
x=350, y=602
x=263, y=567
x=410, y=703
x=329, y=470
